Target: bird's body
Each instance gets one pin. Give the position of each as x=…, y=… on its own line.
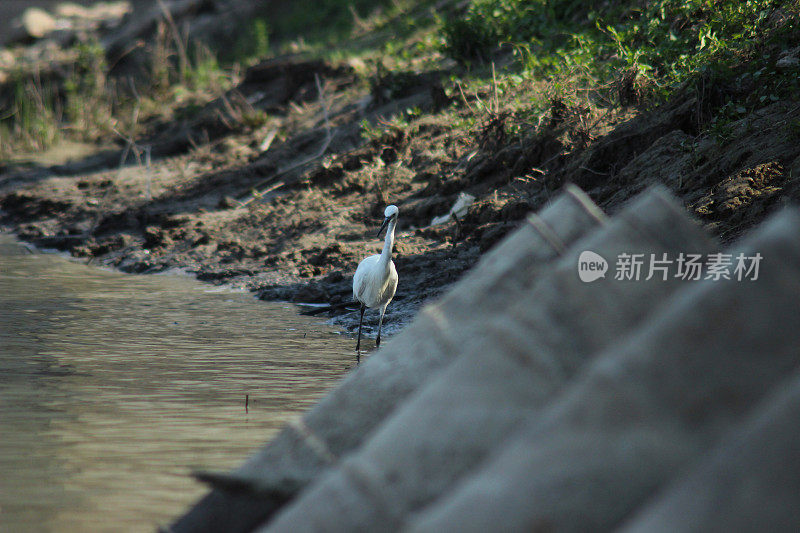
x=375, y=280
x=374, y=284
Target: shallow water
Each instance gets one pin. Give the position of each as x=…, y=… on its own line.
x=114, y=387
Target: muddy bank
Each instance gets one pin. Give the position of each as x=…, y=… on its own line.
x=279, y=184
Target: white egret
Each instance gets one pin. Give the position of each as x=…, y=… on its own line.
x=376, y=277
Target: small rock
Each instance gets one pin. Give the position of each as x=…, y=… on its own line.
x=788, y=62
x=227, y=202
x=38, y=22
x=99, y=12
x=459, y=209
x=71, y=10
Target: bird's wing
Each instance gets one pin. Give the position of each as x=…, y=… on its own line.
x=391, y=285
x=362, y=277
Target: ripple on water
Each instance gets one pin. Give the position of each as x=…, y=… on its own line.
x=114, y=387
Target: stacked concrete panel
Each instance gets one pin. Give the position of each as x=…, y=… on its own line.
x=530, y=398
x=341, y=421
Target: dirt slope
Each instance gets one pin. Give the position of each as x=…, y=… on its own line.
x=287, y=206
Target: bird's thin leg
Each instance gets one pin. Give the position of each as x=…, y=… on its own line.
x=380, y=323
x=358, y=344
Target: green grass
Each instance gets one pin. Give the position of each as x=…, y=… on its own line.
x=328, y=21
x=88, y=105
x=31, y=120
x=665, y=42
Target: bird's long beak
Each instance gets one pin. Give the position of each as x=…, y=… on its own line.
x=383, y=226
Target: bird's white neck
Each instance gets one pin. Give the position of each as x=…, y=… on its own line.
x=386, y=253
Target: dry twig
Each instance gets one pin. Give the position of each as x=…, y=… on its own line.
x=326, y=143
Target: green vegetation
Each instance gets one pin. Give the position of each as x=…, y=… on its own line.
x=89, y=105
x=32, y=118
x=664, y=43
x=555, y=53
x=327, y=22
x=624, y=52
x=252, y=43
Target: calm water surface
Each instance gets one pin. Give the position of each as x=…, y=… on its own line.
x=114, y=387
